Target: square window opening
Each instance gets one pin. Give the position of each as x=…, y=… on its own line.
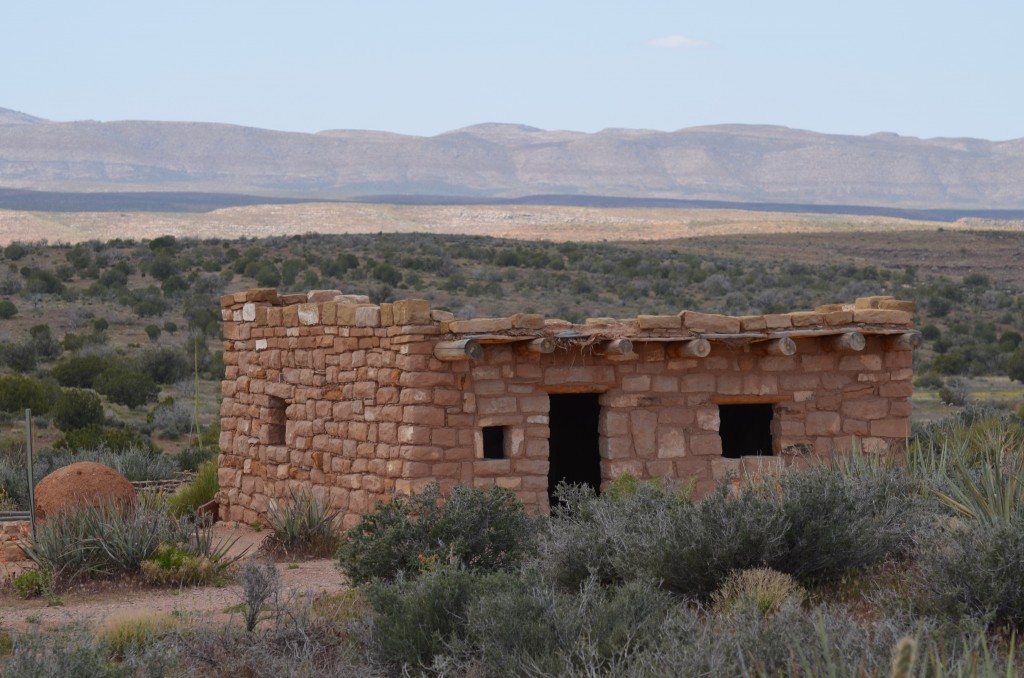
x=746, y=430
x=494, y=442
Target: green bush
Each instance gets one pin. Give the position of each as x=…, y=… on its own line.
x=79, y=371
x=7, y=309
x=486, y=530
x=814, y=524
x=95, y=437
x=191, y=457
x=978, y=568
x=126, y=386
x=77, y=408
x=416, y=619
x=20, y=357
x=18, y=392
x=304, y=526
x=166, y=365
x=178, y=566
x=202, y=489
x=33, y=583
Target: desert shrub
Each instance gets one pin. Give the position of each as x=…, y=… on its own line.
x=191, y=457
x=77, y=408
x=175, y=565
x=486, y=530
x=134, y=463
x=18, y=391
x=761, y=589
x=517, y=623
x=201, y=490
x=166, y=365
x=978, y=569
x=33, y=583
x=850, y=515
x=304, y=526
x=127, y=386
x=415, y=619
x=173, y=418
x=71, y=653
x=128, y=634
x=20, y=357
x=44, y=344
x=79, y=371
x=7, y=309
x=814, y=525
x=655, y=534
x=95, y=437
x=261, y=586
x=296, y=643
x=100, y=540
x=105, y=540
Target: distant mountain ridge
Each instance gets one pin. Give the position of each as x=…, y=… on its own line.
x=737, y=163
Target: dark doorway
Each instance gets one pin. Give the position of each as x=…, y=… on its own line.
x=573, y=447
x=745, y=430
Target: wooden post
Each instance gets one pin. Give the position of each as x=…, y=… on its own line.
x=458, y=349
x=616, y=347
x=782, y=346
x=847, y=342
x=907, y=341
x=694, y=348
x=30, y=464
x=541, y=345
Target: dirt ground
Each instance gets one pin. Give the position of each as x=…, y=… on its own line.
x=99, y=602
x=526, y=222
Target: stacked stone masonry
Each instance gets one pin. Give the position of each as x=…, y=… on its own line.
x=12, y=534
x=357, y=401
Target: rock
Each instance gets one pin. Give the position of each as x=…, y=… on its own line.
x=83, y=483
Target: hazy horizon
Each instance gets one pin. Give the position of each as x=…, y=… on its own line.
x=914, y=68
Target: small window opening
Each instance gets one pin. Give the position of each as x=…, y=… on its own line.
x=275, y=420
x=494, y=442
x=745, y=430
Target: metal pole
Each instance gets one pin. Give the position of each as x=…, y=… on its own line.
x=31, y=473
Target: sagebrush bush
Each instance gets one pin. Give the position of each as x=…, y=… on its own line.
x=486, y=530
x=846, y=516
x=814, y=524
x=977, y=568
x=304, y=526
x=415, y=619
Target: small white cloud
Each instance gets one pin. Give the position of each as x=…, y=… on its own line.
x=676, y=42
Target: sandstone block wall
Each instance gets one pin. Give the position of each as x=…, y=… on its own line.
x=357, y=401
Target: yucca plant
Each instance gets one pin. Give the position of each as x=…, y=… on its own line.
x=994, y=494
x=306, y=525
x=100, y=540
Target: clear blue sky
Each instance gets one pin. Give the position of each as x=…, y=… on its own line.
x=914, y=67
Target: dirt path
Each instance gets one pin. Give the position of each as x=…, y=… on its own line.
x=101, y=603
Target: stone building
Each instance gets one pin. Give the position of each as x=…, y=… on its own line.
x=358, y=401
